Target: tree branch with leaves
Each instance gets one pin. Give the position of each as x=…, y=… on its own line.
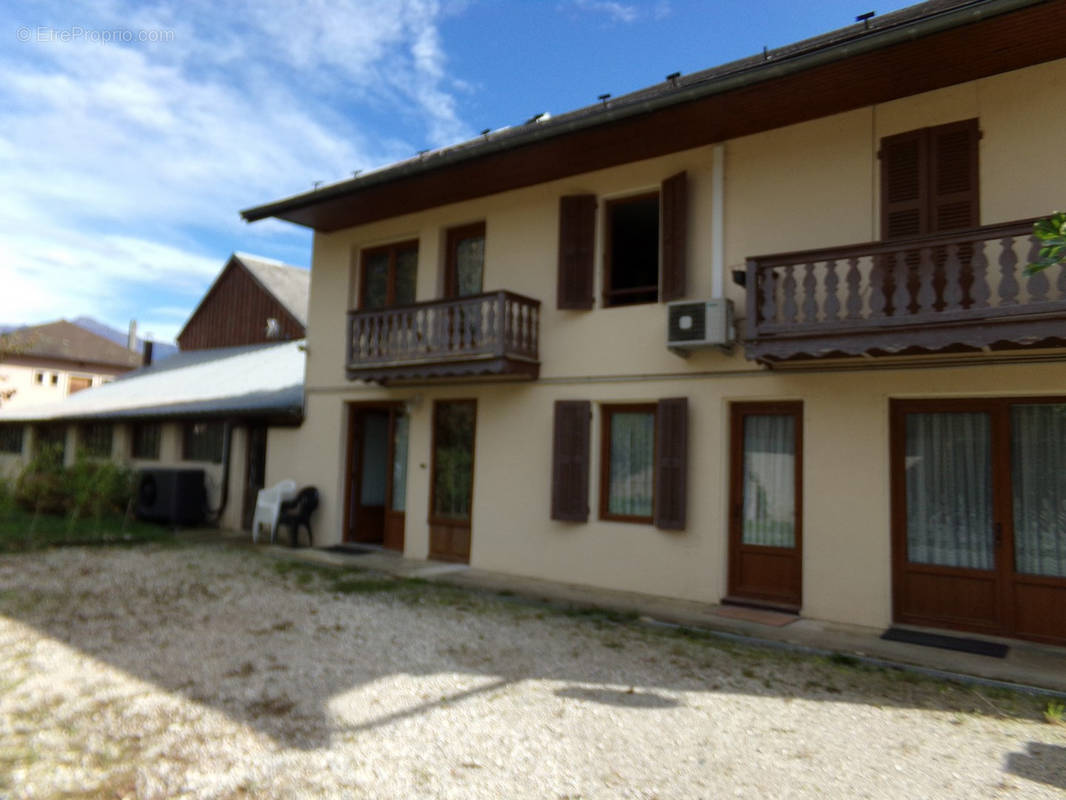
x=1052, y=234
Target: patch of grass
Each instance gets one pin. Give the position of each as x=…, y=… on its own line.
x=22, y=530
x=365, y=585
x=1055, y=713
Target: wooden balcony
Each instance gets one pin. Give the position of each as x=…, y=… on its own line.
x=492, y=334
x=959, y=292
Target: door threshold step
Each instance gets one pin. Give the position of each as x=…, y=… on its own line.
x=761, y=605
x=962, y=644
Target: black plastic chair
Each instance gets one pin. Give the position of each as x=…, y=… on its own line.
x=296, y=513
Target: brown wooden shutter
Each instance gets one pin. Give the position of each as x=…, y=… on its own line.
x=953, y=195
x=674, y=236
x=671, y=463
x=929, y=180
x=570, y=461
x=904, y=179
x=577, y=243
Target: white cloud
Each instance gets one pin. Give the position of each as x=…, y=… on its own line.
x=616, y=12
x=125, y=165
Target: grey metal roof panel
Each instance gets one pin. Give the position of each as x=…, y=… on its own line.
x=256, y=379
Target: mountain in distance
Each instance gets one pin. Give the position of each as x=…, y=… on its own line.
x=160, y=350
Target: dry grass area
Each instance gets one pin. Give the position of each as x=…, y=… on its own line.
x=213, y=672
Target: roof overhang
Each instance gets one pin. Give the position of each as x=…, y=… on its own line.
x=941, y=48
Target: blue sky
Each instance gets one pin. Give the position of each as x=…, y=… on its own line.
x=132, y=133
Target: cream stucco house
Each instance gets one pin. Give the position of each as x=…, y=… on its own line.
x=884, y=441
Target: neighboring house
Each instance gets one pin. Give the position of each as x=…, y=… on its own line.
x=214, y=405
x=253, y=300
x=45, y=363
x=210, y=410
x=160, y=350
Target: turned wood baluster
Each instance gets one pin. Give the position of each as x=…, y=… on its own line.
x=952, y=279
x=534, y=341
x=768, y=281
x=901, y=295
x=1008, y=282
x=1038, y=283
x=497, y=308
x=926, y=290
x=810, y=304
x=877, y=286
x=979, y=291
x=789, y=292
x=853, y=303
x=832, y=302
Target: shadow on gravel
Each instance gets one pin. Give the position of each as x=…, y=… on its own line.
x=629, y=698
x=278, y=655
x=1043, y=763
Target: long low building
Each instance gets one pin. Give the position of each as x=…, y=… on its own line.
x=207, y=409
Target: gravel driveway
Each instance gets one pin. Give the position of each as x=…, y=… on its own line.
x=209, y=671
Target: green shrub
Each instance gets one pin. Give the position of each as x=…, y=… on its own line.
x=39, y=487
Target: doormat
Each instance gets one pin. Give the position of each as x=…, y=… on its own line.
x=959, y=643
x=761, y=616
x=351, y=549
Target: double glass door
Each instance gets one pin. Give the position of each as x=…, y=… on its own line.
x=979, y=515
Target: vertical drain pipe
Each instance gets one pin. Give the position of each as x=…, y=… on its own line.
x=718, y=221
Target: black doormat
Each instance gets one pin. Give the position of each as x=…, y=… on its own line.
x=351, y=549
x=959, y=643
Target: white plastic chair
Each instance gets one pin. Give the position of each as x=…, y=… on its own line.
x=268, y=507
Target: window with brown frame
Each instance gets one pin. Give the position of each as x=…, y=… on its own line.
x=144, y=440
x=643, y=463
x=631, y=253
x=388, y=275
x=465, y=267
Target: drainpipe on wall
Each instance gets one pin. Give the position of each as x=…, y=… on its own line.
x=718, y=221
x=227, y=441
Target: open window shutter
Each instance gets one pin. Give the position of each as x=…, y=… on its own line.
x=570, y=461
x=671, y=463
x=904, y=179
x=953, y=193
x=674, y=195
x=577, y=242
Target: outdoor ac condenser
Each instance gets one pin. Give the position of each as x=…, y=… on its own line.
x=171, y=496
x=699, y=323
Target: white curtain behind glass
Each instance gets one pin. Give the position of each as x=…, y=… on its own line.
x=375, y=452
x=632, y=477
x=949, y=490
x=1038, y=454
x=399, y=463
x=770, y=480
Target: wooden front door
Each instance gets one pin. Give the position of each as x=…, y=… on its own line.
x=979, y=515
x=766, y=502
x=452, y=487
x=377, y=484
x=254, y=472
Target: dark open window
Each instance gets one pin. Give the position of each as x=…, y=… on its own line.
x=94, y=439
x=202, y=441
x=11, y=438
x=144, y=440
x=632, y=251
x=465, y=267
x=388, y=275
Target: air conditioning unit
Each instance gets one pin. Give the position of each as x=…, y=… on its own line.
x=171, y=496
x=699, y=323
